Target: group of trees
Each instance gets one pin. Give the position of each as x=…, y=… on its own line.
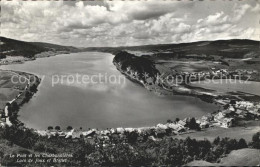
x=164, y=152
x=2, y=56
x=25, y=138
x=192, y=124
x=58, y=128
x=13, y=111
x=33, y=88
x=167, y=151
x=29, y=93
x=256, y=141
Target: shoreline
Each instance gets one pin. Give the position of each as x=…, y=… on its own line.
x=174, y=126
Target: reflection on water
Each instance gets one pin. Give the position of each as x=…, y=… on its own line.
x=97, y=105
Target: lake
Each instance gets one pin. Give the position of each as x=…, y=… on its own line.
x=97, y=104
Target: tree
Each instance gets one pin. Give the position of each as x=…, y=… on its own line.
x=177, y=120
x=57, y=128
x=232, y=144
x=33, y=88
x=193, y=124
x=28, y=95
x=216, y=141
x=69, y=128
x=210, y=157
x=169, y=121
x=2, y=56
x=132, y=137
x=256, y=140
x=39, y=146
x=242, y=144
x=256, y=137
x=83, y=151
x=50, y=128
x=14, y=107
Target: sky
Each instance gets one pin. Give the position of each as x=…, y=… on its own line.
x=128, y=23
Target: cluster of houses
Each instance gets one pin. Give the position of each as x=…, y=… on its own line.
x=151, y=132
x=245, y=71
x=243, y=108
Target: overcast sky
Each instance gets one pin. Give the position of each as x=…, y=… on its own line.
x=119, y=23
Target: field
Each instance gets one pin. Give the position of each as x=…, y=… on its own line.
x=190, y=65
x=242, y=157
x=8, y=89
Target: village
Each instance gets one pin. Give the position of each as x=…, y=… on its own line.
x=228, y=118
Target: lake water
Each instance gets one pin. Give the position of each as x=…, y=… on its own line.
x=97, y=105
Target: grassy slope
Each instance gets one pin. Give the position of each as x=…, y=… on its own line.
x=242, y=157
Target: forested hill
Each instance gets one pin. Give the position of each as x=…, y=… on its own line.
x=235, y=48
x=11, y=47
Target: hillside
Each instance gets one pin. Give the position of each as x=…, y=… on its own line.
x=220, y=49
x=55, y=47
x=242, y=157
x=11, y=47
x=235, y=48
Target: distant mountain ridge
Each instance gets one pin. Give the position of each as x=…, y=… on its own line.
x=234, y=48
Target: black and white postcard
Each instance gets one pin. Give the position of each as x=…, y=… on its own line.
x=129, y=83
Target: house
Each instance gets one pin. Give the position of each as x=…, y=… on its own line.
x=160, y=133
x=219, y=116
x=183, y=123
x=129, y=129
x=120, y=130
x=77, y=134
x=112, y=130
x=61, y=134
x=226, y=122
x=152, y=138
x=204, y=124
x=149, y=81
x=8, y=122
x=241, y=112
x=2, y=124
x=162, y=126
x=175, y=126
x=89, y=133
x=104, y=132
x=206, y=118
x=69, y=134
x=231, y=108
